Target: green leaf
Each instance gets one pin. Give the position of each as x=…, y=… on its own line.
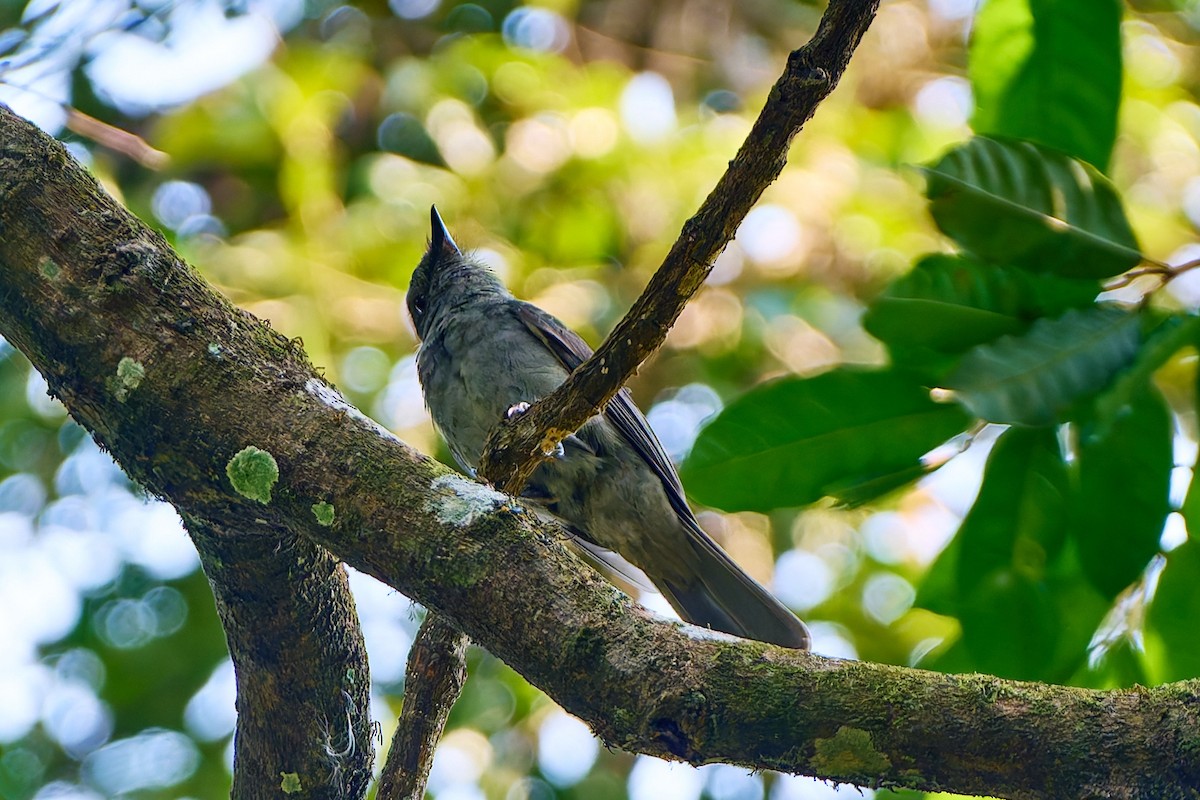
x=1009, y=626
x=992, y=576
x=1035, y=378
x=1050, y=72
x=1017, y=203
x=1166, y=340
x=1008, y=576
x=949, y=304
x=859, y=490
x=796, y=440
x=1019, y=520
x=1017, y=523
x=1191, y=505
x=1122, y=496
x=1171, y=619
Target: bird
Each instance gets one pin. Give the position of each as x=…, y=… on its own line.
x=485, y=355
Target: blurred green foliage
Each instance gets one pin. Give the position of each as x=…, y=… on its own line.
x=566, y=143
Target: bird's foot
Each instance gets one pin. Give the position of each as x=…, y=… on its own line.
x=516, y=410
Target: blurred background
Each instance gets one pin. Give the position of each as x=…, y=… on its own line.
x=291, y=150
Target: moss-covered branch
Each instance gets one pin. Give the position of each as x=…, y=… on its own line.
x=76, y=274
x=301, y=665
x=215, y=381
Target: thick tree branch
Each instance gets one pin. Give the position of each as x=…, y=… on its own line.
x=302, y=684
x=516, y=447
x=288, y=615
x=437, y=671
x=84, y=285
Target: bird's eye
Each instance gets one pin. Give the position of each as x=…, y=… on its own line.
x=418, y=305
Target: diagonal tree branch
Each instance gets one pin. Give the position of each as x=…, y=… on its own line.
x=437, y=672
x=516, y=447
x=84, y=285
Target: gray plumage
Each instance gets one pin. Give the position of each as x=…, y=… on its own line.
x=483, y=352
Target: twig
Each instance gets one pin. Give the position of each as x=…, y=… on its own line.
x=1164, y=272
x=116, y=139
x=516, y=447
x=437, y=670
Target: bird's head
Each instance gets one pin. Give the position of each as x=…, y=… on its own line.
x=444, y=274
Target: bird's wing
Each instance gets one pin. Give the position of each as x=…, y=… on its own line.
x=572, y=351
x=723, y=596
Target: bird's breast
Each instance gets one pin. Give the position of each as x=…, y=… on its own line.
x=474, y=370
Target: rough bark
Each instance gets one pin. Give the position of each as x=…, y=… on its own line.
x=84, y=285
x=81, y=268
x=301, y=665
x=436, y=674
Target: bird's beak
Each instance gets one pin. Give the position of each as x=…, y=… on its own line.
x=439, y=239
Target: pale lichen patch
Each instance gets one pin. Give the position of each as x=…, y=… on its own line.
x=702, y=634
x=290, y=783
x=334, y=399
x=849, y=753
x=130, y=374
x=323, y=511
x=457, y=501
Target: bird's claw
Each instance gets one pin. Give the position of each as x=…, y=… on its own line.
x=517, y=409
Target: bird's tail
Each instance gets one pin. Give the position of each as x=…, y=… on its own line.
x=725, y=598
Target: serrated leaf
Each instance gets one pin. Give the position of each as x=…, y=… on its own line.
x=949, y=304
x=1033, y=379
x=1122, y=496
x=796, y=440
x=1017, y=203
x=1049, y=72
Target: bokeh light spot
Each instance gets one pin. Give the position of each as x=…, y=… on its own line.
x=413, y=9
x=887, y=597
x=535, y=29
x=154, y=759
x=802, y=580
x=212, y=712
x=654, y=779
x=566, y=749
x=648, y=108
